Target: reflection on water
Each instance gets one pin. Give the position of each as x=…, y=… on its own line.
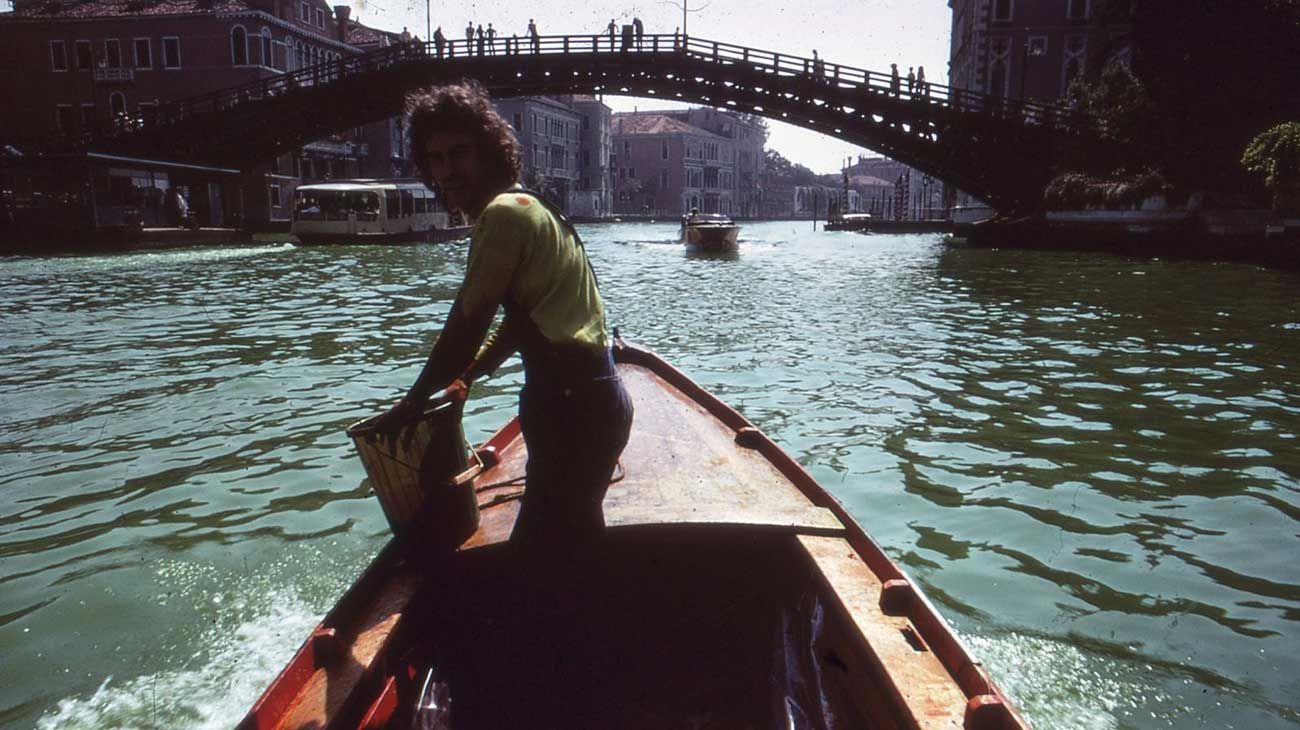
x=1090, y=462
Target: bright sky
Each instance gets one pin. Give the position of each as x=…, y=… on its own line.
x=868, y=34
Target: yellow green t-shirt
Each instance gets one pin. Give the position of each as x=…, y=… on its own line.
x=551, y=280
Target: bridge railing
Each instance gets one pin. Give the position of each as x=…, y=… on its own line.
x=849, y=78
x=818, y=74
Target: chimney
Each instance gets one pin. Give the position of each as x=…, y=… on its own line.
x=341, y=14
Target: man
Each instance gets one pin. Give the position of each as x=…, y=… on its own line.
x=526, y=257
x=638, y=30
x=439, y=40
x=533, y=38
x=611, y=27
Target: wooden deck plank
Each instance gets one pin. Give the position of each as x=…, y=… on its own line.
x=681, y=467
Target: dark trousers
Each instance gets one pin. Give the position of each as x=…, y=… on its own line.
x=575, y=421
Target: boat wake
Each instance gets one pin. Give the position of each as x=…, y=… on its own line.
x=230, y=675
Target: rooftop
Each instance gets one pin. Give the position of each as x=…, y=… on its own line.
x=653, y=123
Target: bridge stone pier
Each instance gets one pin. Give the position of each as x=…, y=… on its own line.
x=1001, y=150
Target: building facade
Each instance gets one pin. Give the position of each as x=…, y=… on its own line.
x=1033, y=49
x=77, y=68
x=748, y=135
x=564, y=148
x=594, y=197
x=662, y=164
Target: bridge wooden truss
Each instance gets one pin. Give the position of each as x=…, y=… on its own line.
x=1001, y=150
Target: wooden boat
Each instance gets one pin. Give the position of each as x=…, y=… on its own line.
x=709, y=232
x=730, y=591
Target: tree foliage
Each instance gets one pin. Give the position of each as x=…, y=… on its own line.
x=1275, y=154
x=1119, y=190
x=1118, y=100
x=777, y=165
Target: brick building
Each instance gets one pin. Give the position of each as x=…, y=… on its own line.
x=73, y=67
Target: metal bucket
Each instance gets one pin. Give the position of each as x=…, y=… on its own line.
x=422, y=477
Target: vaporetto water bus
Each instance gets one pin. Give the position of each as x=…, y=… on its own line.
x=372, y=211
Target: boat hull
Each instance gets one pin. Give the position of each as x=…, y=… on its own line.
x=711, y=238
x=663, y=623
x=432, y=235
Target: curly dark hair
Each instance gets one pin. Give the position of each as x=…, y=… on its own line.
x=464, y=106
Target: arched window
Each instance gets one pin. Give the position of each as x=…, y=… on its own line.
x=268, y=52
x=117, y=105
x=288, y=53
x=238, y=46
x=999, y=66
x=1076, y=48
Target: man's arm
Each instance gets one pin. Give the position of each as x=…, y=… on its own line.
x=500, y=345
x=454, y=351
x=486, y=283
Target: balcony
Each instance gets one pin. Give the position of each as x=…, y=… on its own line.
x=108, y=75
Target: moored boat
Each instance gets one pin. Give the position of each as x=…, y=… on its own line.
x=731, y=590
x=709, y=232
x=371, y=211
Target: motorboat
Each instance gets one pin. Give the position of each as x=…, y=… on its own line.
x=709, y=232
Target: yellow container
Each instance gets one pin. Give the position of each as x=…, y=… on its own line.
x=421, y=477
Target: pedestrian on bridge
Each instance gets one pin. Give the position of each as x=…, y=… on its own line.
x=481, y=38
x=638, y=30
x=911, y=80
x=533, y=38
x=469, y=36
x=439, y=40
x=612, y=28
x=492, y=39
x=921, y=86
x=893, y=79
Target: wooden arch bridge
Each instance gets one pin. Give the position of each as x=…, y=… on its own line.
x=1001, y=150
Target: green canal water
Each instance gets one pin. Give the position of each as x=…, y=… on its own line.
x=1090, y=463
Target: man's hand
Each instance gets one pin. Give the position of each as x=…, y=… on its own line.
x=458, y=390
x=401, y=415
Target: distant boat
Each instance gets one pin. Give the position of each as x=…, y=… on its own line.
x=371, y=211
x=709, y=232
x=731, y=590
x=850, y=222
